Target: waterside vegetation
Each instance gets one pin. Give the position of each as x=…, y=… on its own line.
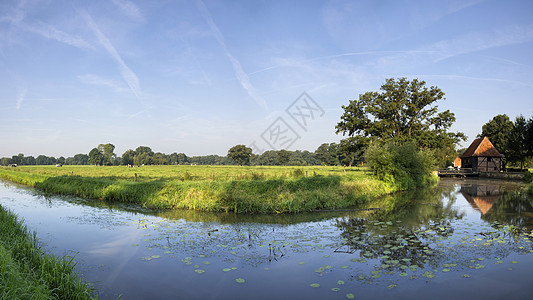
x=27, y=272
x=209, y=188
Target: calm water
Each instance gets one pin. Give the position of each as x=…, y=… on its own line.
x=465, y=239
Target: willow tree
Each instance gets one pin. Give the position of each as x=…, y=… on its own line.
x=402, y=111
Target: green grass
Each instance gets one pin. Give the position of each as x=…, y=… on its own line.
x=209, y=188
x=27, y=272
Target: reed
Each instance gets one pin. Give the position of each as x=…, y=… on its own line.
x=28, y=272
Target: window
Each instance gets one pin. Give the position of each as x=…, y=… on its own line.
x=489, y=159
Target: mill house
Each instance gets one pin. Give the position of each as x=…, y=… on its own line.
x=481, y=156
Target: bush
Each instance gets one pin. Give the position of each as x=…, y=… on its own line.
x=401, y=165
x=528, y=176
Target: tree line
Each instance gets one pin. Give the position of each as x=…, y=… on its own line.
x=402, y=113
x=104, y=155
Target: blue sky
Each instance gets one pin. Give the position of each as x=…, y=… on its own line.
x=202, y=76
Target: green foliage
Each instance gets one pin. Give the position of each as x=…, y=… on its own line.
x=328, y=154
x=528, y=176
x=497, y=130
x=513, y=140
x=517, y=143
x=96, y=157
x=403, y=166
x=240, y=154
x=403, y=111
x=108, y=156
x=530, y=188
x=27, y=272
x=209, y=188
x=298, y=173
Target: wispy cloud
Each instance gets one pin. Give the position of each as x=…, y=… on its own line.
x=127, y=74
x=20, y=99
x=237, y=67
x=97, y=80
x=129, y=8
x=50, y=32
x=17, y=18
x=478, y=41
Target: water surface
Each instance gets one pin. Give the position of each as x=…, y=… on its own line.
x=465, y=239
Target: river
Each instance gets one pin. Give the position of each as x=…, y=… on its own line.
x=464, y=239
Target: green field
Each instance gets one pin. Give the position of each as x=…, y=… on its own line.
x=209, y=188
x=188, y=172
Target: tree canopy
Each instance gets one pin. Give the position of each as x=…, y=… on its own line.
x=240, y=154
x=401, y=111
x=513, y=140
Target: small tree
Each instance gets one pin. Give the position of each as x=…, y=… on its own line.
x=517, y=142
x=401, y=165
x=240, y=154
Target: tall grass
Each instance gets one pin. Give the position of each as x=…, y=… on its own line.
x=230, y=189
x=27, y=272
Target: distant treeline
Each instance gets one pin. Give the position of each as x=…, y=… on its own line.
x=326, y=154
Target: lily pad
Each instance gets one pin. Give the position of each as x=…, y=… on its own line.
x=240, y=280
x=315, y=285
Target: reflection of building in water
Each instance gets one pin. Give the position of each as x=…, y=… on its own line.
x=481, y=196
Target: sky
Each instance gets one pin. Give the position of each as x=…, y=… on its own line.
x=199, y=77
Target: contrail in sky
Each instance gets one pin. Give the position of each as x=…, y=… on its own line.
x=127, y=74
x=239, y=72
x=21, y=98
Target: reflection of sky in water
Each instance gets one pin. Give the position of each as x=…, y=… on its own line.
x=438, y=245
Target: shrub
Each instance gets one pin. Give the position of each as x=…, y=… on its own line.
x=528, y=176
x=401, y=165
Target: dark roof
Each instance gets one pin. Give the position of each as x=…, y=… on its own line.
x=481, y=147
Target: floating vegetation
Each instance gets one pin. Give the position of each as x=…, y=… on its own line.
x=356, y=251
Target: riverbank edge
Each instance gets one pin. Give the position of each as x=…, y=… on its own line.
x=282, y=195
x=28, y=272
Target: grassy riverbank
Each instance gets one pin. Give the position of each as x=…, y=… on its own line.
x=26, y=272
x=209, y=188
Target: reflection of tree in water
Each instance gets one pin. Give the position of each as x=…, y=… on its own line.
x=512, y=208
x=401, y=235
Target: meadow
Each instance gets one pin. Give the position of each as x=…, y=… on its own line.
x=239, y=189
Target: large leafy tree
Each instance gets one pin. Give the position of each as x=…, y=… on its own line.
x=108, y=154
x=401, y=111
x=96, y=157
x=497, y=130
x=328, y=154
x=283, y=157
x=127, y=157
x=240, y=154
